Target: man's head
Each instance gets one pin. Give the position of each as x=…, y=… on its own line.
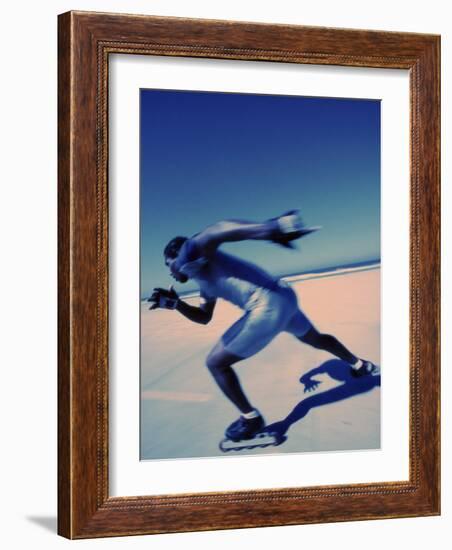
x=171, y=253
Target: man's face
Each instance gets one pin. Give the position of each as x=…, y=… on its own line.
x=180, y=277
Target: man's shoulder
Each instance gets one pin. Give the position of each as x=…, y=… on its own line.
x=190, y=250
x=191, y=259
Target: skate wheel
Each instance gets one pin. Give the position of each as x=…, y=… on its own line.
x=222, y=447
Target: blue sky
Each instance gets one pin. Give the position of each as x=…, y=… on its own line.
x=209, y=156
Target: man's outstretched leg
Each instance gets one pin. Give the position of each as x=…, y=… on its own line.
x=219, y=363
x=359, y=367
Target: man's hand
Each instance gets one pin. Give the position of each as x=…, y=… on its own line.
x=289, y=227
x=162, y=298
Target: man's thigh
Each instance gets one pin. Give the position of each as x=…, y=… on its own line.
x=254, y=331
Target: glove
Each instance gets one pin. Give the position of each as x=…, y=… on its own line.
x=289, y=227
x=166, y=299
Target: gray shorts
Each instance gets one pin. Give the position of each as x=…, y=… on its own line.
x=268, y=312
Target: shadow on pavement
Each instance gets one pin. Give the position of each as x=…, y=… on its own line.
x=336, y=369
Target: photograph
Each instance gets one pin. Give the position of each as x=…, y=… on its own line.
x=260, y=266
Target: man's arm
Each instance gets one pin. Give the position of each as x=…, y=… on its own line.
x=281, y=230
x=201, y=315
x=168, y=299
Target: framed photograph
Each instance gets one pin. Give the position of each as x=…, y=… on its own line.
x=248, y=275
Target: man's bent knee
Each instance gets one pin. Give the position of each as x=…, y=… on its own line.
x=220, y=359
x=212, y=363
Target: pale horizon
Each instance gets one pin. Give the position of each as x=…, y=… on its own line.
x=329, y=271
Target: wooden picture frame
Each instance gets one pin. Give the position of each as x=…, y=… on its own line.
x=85, y=508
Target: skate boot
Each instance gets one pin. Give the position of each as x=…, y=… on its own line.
x=248, y=434
x=244, y=428
x=366, y=369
